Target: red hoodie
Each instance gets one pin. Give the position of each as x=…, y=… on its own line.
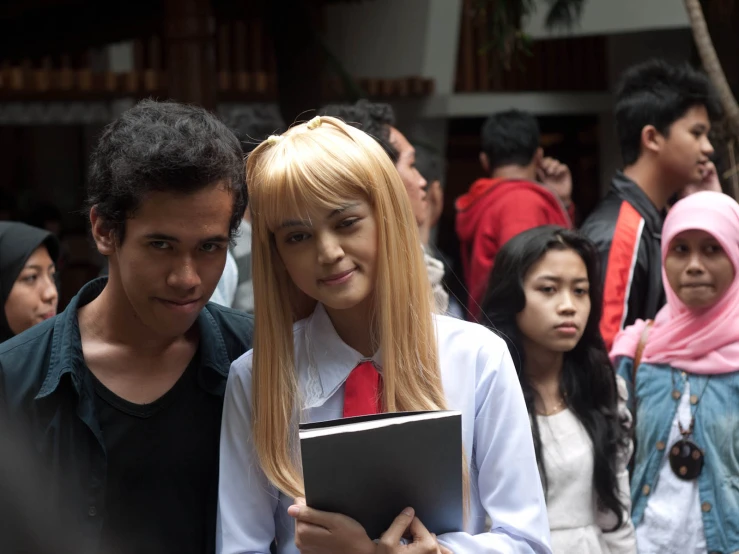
x=493, y=211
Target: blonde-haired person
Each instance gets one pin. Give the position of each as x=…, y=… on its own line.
x=333, y=229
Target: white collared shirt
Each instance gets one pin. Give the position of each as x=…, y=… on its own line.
x=479, y=380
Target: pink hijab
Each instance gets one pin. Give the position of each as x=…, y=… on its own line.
x=705, y=342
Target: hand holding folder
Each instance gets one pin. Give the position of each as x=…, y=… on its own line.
x=327, y=532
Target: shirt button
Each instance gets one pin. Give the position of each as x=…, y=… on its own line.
x=660, y=445
x=646, y=490
x=92, y=511
x=706, y=506
x=693, y=399
x=676, y=394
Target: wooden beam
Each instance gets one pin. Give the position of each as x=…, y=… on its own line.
x=189, y=46
x=61, y=28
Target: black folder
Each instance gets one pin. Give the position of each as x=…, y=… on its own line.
x=370, y=468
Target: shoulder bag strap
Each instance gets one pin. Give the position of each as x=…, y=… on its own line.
x=640, y=351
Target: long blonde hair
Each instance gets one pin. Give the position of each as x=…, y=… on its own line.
x=323, y=163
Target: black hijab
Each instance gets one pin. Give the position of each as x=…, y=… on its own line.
x=17, y=242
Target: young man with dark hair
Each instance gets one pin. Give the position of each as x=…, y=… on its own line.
x=663, y=117
x=121, y=394
x=378, y=121
x=523, y=190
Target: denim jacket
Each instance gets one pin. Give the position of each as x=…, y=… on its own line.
x=716, y=409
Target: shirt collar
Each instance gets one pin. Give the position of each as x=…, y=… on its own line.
x=653, y=217
x=329, y=356
x=66, y=347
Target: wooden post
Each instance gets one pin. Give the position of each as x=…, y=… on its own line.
x=189, y=43
x=300, y=57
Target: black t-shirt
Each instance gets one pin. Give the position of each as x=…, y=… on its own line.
x=162, y=482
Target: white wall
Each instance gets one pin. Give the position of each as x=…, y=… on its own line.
x=602, y=17
x=397, y=38
x=383, y=38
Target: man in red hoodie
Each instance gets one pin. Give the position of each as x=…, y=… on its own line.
x=524, y=190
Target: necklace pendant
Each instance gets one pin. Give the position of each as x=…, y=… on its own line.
x=686, y=459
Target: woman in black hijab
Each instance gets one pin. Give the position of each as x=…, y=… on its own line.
x=28, y=289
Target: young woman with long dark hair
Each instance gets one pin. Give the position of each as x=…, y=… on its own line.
x=544, y=300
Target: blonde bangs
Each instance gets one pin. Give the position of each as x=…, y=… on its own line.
x=306, y=171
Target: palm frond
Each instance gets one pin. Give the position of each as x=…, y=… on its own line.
x=564, y=13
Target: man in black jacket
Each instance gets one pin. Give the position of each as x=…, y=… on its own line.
x=663, y=117
x=121, y=394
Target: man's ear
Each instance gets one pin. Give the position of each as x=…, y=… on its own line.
x=651, y=139
x=485, y=163
x=103, y=235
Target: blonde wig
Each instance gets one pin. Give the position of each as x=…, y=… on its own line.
x=323, y=164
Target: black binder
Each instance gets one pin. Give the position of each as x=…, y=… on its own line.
x=370, y=468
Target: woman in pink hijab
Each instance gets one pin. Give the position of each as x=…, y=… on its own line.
x=684, y=392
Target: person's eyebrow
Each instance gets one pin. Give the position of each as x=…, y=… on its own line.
x=294, y=223
x=307, y=222
x=342, y=209
x=170, y=238
x=559, y=279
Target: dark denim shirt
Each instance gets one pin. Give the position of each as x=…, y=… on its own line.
x=46, y=387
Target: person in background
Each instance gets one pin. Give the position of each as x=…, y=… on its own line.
x=682, y=373
x=544, y=301
x=431, y=167
x=28, y=286
x=522, y=189
x=120, y=396
x=225, y=293
x=663, y=117
x=251, y=128
x=378, y=121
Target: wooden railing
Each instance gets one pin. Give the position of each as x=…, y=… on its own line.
x=245, y=64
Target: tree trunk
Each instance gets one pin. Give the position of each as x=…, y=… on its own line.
x=712, y=65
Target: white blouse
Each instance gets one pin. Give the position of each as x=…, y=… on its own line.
x=673, y=521
x=576, y=523
x=479, y=380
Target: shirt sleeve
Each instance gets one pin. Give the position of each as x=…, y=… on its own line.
x=623, y=539
x=246, y=500
x=508, y=480
x=624, y=369
x=225, y=292
x=625, y=274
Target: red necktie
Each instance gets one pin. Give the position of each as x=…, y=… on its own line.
x=362, y=391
